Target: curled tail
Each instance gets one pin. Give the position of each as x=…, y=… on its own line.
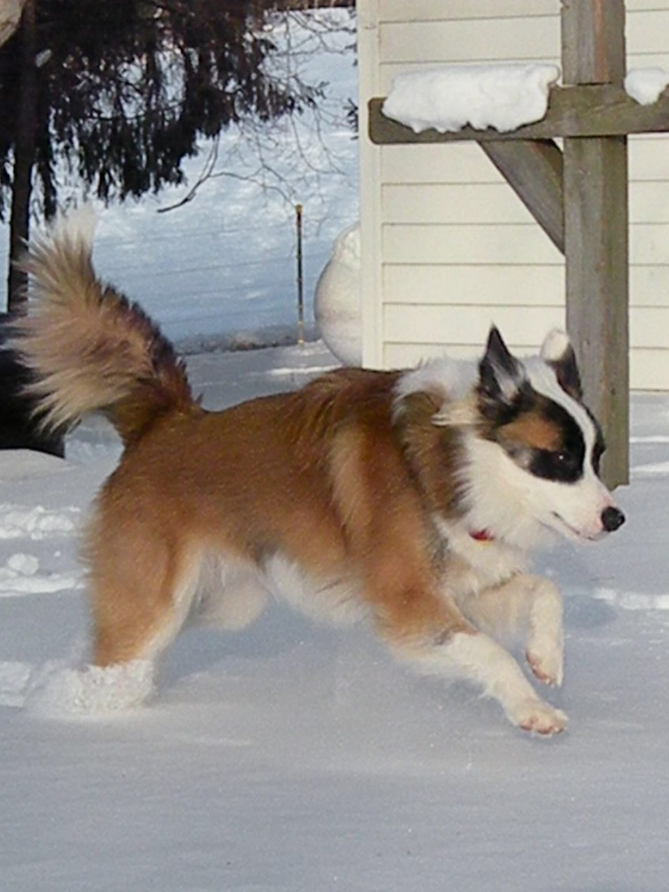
x=87, y=346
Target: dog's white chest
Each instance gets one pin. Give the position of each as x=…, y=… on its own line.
x=473, y=565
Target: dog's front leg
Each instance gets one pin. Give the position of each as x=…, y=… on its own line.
x=531, y=604
x=429, y=631
x=478, y=658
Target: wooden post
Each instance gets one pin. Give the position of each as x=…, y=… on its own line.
x=596, y=229
x=300, y=277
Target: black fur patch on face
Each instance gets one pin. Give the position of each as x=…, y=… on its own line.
x=566, y=462
x=539, y=435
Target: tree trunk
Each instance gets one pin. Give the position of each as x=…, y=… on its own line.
x=24, y=159
x=18, y=429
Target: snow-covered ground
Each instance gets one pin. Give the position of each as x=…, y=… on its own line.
x=297, y=758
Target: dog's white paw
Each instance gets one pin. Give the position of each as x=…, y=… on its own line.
x=534, y=715
x=546, y=663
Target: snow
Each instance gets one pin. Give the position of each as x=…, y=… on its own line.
x=504, y=96
x=295, y=757
x=338, y=299
x=646, y=84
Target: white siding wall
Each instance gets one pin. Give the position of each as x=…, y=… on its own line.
x=447, y=246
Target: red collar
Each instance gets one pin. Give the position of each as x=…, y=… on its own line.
x=482, y=536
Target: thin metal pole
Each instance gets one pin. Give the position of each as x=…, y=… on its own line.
x=300, y=280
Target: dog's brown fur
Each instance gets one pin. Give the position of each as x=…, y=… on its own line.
x=318, y=476
x=327, y=477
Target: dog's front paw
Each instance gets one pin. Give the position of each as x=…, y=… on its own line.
x=534, y=715
x=546, y=664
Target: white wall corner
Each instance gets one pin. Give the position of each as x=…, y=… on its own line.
x=370, y=187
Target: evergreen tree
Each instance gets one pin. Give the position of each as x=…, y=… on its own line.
x=117, y=93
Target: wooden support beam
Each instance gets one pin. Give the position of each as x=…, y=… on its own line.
x=596, y=229
x=573, y=111
x=534, y=169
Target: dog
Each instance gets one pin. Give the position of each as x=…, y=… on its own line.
x=409, y=498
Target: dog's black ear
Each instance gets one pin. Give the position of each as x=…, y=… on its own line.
x=559, y=354
x=501, y=376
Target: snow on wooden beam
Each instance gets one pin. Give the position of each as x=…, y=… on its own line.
x=598, y=110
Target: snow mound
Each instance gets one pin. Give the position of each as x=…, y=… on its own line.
x=505, y=97
x=36, y=522
x=14, y=679
x=20, y=576
x=64, y=691
x=646, y=84
x=337, y=302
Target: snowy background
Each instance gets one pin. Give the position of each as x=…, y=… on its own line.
x=222, y=267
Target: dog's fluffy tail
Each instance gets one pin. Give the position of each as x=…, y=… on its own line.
x=87, y=346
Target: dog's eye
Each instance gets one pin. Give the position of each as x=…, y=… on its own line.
x=565, y=459
x=566, y=464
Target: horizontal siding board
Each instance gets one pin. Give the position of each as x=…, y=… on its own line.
x=649, y=244
x=640, y=6
x=643, y=58
x=466, y=323
x=466, y=203
x=649, y=369
x=454, y=163
x=511, y=244
x=466, y=163
x=649, y=202
x=649, y=157
x=498, y=203
x=429, y=10
x=649, y=286
x=436, y=324
x=649, y=327
x=467, y=41
x=532, y=285
x=647, y=32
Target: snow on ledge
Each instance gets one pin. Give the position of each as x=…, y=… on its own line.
x=504, y=96
x=645, y=85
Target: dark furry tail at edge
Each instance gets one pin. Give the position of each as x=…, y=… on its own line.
x=87, y=346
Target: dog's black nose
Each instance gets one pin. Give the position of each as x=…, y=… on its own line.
x=612, y=518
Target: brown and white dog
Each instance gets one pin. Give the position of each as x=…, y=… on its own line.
x=408, y=497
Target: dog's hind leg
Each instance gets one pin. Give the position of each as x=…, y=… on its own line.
x=531, y=605
x=141, y=589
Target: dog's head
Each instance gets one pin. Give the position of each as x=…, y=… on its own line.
x=533, y=459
